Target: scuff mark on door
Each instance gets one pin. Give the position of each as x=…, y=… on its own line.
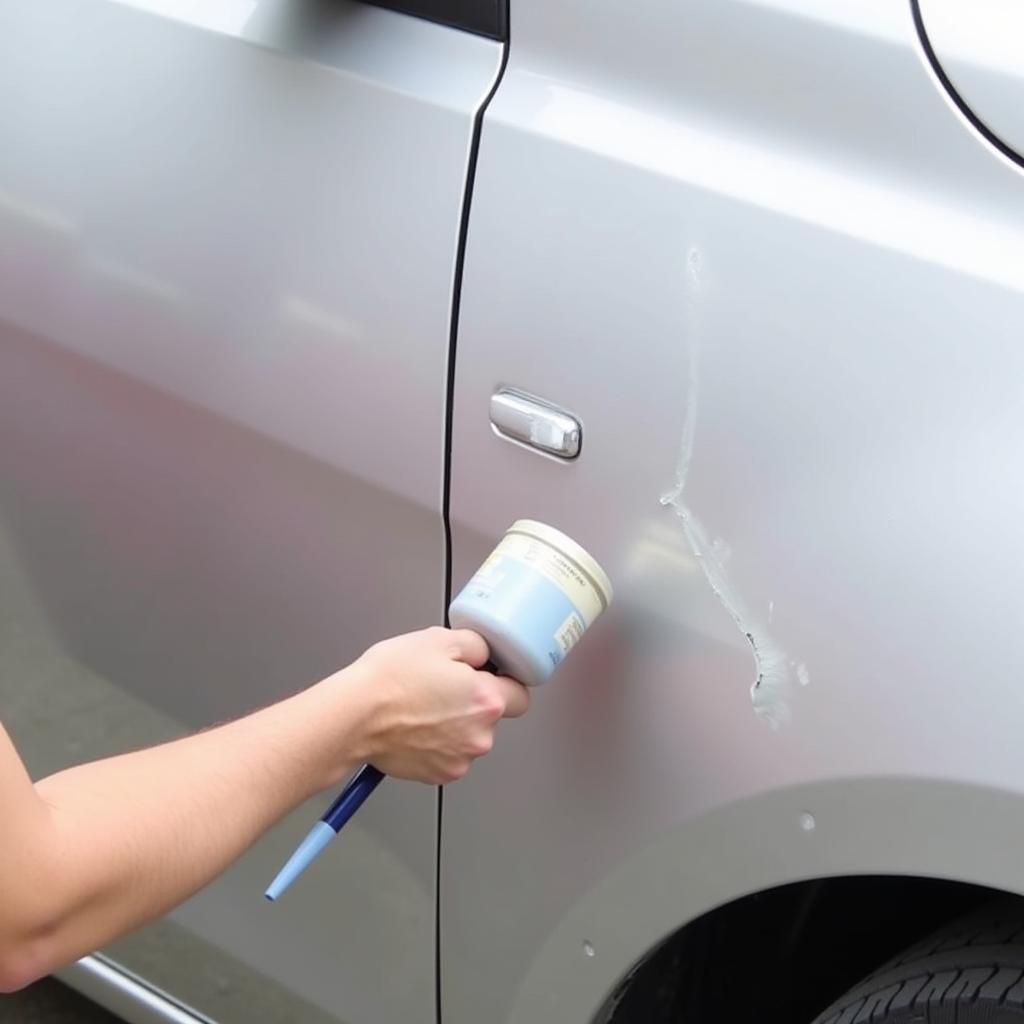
x=774, y=671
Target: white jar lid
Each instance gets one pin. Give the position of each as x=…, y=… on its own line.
x=566, y=546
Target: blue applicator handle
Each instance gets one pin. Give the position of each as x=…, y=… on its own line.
x=351, y=798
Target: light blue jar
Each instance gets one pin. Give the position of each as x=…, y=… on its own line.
x=532, y=600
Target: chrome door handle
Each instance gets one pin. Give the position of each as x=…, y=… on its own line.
x=535, y=423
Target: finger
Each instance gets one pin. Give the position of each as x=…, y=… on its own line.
x=516, y=696
x=469, y=647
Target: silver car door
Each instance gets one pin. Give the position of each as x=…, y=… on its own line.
x=228, y=233
x=753, y=248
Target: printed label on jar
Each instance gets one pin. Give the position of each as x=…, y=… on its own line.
x=488, y=576
x=561, y=571
x=569, y=632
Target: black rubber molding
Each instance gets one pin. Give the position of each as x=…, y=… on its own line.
x=482, y=17
x=449, y=429
x=947, y=83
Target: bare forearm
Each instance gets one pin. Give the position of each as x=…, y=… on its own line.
x=132, y=836
x=98, y=850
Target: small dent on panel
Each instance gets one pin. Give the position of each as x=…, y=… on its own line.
x=295, y=308
x=134, y=279
x=774, y=671
x=40, y=216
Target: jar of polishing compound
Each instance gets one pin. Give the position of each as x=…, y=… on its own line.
x=532, y=599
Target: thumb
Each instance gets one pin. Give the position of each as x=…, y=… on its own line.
x=469, y=647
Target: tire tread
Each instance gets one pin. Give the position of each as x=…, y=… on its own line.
x=975, y=965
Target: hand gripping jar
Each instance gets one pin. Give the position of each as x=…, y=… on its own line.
x=532, y=600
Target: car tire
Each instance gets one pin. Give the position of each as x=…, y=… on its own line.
x=970, y=972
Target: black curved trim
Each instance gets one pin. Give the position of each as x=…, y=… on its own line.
x=976, y=122
x=482, y=17
x=449, y=422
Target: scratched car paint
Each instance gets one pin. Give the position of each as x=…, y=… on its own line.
x=262, y=266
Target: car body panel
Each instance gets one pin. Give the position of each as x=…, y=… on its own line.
x=228, y=235
x=977, y=49
x=780, y=283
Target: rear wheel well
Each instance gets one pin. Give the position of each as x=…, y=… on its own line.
x=786, y=953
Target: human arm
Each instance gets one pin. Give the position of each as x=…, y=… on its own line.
x=97, y=850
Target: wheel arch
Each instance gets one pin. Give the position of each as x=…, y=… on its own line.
x=788, y=953
x=959, y=832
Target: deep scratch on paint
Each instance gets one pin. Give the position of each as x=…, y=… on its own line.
x=774, y=672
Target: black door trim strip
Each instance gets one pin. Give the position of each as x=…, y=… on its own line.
x=482, y=17
x=449, y=420
x=940, y=73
